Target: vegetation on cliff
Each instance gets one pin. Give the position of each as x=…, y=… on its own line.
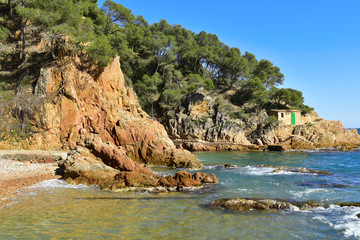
x=197, y=86
x=162, y=62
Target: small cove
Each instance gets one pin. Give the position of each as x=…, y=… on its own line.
x=56, y=210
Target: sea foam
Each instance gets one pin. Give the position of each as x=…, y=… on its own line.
x=343, y=219
x=57, y=183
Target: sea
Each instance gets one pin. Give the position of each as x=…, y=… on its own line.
x=56, y=210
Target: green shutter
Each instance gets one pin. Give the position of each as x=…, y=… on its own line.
x=293, y=119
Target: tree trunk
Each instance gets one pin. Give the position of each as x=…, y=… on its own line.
x=22, y=34
x=22, y=37
x=11, y=9
x=52, y=48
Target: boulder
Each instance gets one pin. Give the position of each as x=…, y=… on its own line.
x=246, y=204
x=184, y=179
x=205, y=178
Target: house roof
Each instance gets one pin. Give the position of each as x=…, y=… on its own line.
x=285, y=110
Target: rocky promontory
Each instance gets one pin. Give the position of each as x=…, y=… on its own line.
x=73, y=105
x=207, y=121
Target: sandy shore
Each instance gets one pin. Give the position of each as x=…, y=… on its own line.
x=15, y=175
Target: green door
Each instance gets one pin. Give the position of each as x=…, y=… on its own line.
x=293, y=119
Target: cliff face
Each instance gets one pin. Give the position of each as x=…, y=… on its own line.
x=73, y=104
x=201, y=125
x=204, y=123
x=319, y=133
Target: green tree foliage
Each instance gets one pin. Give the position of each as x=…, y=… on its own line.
x=268, y=74
x=4, y=33
x=254, y=91
x=148, y=89
x=163, y=62
x=195, y=81
x=288, y=97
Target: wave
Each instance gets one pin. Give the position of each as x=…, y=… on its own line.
x=219, y=167
x=307, y=192
x=343, y=219
x=257, y=170
x=57, y=183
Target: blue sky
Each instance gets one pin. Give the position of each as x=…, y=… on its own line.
x=316, y=44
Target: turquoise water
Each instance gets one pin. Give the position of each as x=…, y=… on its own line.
x=56, y=210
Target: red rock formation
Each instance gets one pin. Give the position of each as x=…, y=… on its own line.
x=77, y=106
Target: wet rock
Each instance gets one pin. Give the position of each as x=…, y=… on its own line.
x=278, y=148
x=133, y=179
x=295, y=169
x=350, y=204
x=168, y=181
x=358, y=215
x=184, y=179
x=205, y=178
x=184, y=159
x=326, y=185
x=246, y=204
x=228, y=165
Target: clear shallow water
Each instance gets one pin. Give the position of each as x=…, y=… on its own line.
x=56, y=210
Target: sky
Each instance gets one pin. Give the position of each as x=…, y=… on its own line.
x=316, y=44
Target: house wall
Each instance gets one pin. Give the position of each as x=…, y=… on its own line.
x=285, y=117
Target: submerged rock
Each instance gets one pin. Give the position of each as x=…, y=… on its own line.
x=350, y=204
x=330, y=185
x=246, y=204
x=228, y=165
x=295, y=169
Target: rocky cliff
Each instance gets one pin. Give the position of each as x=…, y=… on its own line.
x=73, y=105
x=205, y=121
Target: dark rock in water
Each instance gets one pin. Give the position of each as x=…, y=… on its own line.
x=358, y=215
x=326, y=185
x=228, y=165
x=184, y=179
x=278, y=148
x=245, y=204
x=295, y=169
x=350, y=204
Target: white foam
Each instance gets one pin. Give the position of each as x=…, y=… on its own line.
x=251, y=170
x=308, y=191
x=341, y=218
x=210, y=167
x=57, y=183
x=255, y=170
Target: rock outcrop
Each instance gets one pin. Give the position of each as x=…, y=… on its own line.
x=246, y=204
x=208, y=122
x=83, y=168
x=295, y=169
x=318, y=134
x=74, y=104
x=201, y=125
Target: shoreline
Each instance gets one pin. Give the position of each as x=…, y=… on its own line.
x=16, y=175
